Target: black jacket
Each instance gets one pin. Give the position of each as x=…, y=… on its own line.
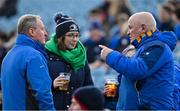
x=82, y=77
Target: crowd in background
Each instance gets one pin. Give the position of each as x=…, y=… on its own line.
x=107, y=24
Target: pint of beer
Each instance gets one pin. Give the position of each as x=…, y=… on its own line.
x=64, y=78
x=111, y=86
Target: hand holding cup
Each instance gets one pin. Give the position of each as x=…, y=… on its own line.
x=62, y=81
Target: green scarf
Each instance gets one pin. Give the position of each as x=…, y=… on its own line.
x=76, y=57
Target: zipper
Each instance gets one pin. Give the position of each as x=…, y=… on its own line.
x=139, y=100
x=138, y=94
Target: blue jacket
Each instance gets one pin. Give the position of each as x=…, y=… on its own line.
x=82, y=77
x=171, y=41
x=151, y=70
x=25, y=79
x=176, y=93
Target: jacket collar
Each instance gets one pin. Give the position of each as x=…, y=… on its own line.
x=23, y=39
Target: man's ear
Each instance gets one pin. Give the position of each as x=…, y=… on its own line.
x=144, y=28
x=31, y=32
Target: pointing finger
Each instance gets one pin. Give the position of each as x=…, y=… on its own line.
x=102, y=46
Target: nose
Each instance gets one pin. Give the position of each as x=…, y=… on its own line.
x=45, y=33
x=128, y=32
x=75, y=39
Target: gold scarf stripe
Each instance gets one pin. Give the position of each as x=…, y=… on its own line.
x=148, y=33
x=138, y=39
x=153, y=30
x=143, y=35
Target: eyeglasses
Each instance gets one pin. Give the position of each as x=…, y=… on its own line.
x=72, y=36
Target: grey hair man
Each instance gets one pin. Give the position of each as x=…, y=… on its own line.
x=25, y=79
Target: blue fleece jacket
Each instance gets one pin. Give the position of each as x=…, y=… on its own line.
x=176, y=93
x=150, y=70
x=25, y=79
x=170, y=39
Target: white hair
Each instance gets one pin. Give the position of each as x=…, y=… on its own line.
x=145, y=18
